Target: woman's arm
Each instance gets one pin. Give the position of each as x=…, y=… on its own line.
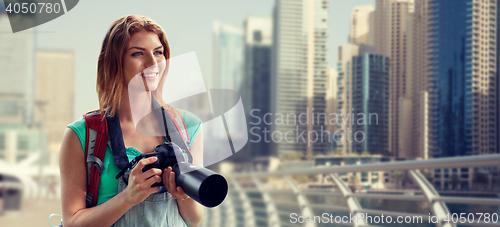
x=190, y=210
x=74, y=188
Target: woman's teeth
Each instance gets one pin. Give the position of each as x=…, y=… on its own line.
x=149, y=75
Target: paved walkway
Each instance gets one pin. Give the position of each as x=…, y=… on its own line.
x=33, y=213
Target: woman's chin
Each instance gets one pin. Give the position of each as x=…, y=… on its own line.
x=152, y=86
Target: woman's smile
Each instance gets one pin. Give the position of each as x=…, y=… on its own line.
x=150, y=75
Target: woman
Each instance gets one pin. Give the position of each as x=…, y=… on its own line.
x=134, y=47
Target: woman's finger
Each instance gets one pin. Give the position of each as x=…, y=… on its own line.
x=166, y=178
x=153, y=190
x=143, y=162
x=172, y=182
x=181, y=194
x=152, y=180
x=148, y=174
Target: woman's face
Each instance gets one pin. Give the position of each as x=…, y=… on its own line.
x=144, y=60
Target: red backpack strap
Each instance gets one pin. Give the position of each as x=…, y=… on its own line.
x=180, y=125
x=95, y=150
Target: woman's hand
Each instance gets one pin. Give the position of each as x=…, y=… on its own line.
x=169, y=181
x=139, y=183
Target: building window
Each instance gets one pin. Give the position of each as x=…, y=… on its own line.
x=22, y=142
x=257, y=36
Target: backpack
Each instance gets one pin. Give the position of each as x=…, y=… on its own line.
x=97, y=140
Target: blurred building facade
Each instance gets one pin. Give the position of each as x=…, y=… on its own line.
x=228, y=56
x=55, y=96
x=419, y=81
x=379, y=180
x=392, y=23
x=462, y=76
x=345, y=107
x=228, y=47
x=382, y=22
x=256, y=88
x=18, y=142
x=18, y=139
x=454, y=87
x=370, y=90
x=17, y=81
x=362, y=26
x=299, y=72
x=36, y=104
x=331, y=107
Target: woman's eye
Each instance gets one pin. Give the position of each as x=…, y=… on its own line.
x=158, y=52
x=136, y=54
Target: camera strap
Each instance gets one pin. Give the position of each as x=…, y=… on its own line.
x=175, y=128
x=102, y=133
x=174, y=125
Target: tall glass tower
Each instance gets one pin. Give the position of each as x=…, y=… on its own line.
x=463, y=97
x=256, y=88
x=370, y=91
x=228, y=68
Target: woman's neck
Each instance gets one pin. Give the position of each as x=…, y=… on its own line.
x=134, y=106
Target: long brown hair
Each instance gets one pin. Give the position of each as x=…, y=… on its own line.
x=110, y=64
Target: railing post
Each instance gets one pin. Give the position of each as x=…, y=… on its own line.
x=439, y=208
x=272, y=212
x=248, y=213
x=352, y=202
x=303, y=203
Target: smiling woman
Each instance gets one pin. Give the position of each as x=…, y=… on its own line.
x=134, y=49
x=144, y=49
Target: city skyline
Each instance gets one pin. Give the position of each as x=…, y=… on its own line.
x=405, y=96
x=427, y=71
x=193, y=34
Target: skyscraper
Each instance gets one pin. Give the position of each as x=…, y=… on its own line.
x=17, y=77
x=382, y=26
x=345, y=107
x=464, y=96
x=370, y=90
x=299, y=71
x=228, y=67
x=54, y=88
x=228, y=56
x=256, y=88
x=331, y=106
x=362, y=26
x=419, y=81
x=391, y=37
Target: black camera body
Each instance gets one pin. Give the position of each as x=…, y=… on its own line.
x=167, y=154
x=201, y=184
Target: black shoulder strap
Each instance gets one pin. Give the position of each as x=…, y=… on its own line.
x=116, y=141
x=116, y=138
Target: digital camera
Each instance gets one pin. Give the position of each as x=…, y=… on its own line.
x=203, y=185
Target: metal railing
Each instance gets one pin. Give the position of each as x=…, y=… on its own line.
x=253, y=199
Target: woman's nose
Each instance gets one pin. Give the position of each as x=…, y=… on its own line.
x=151, y=61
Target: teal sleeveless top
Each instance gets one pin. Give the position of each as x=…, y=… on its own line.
x=108, y=185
